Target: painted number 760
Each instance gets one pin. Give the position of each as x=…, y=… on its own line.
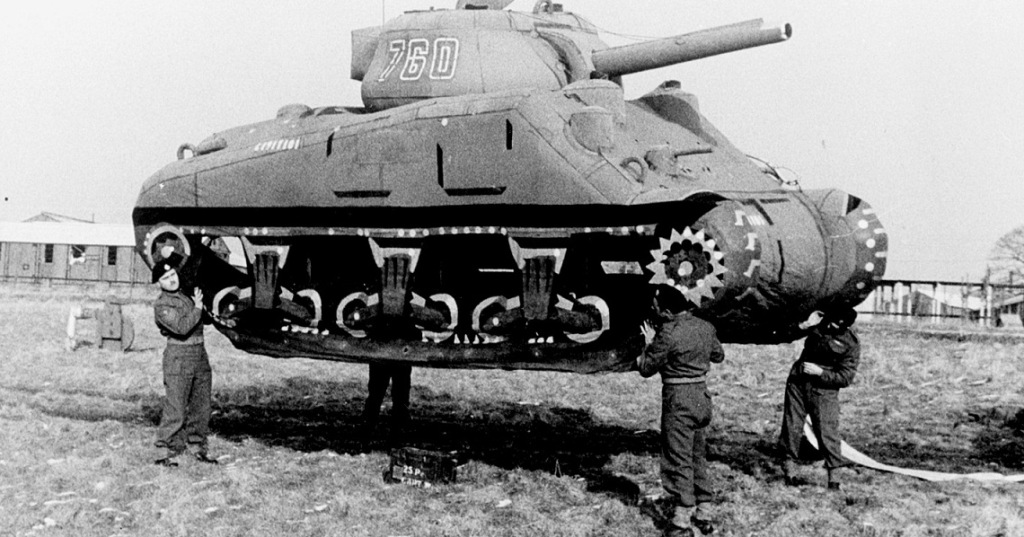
x=416, y=56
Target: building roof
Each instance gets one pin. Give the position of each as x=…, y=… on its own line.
x=85, y=234
x=953, y=298
x=54, y=217
x=1009, y=301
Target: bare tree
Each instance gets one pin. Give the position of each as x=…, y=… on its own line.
x=1008, y=257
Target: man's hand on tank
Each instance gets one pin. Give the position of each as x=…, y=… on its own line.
x=812, y=369
x=648, y=333
x=197, y=298
x=814, y=319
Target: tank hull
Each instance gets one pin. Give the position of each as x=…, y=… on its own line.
x=520, y=230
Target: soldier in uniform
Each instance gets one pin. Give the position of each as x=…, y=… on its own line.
x=682, y=351
x=828, y=362
x=398, y=375
x=186, y=366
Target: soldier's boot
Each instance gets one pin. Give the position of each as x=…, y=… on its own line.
x=201, y=453
x=169, y=458
x=834, y=479
x=657, y=508
x=789, y=472
x=701, y=520
x=204, y=457
x=680, y=525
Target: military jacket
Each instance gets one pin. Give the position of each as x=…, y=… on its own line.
x=683, y=347
x=837, y=354
x=178, y=319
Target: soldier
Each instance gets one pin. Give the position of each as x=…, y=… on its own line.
x=398, y=375
x=186, y=366
x=682, y=350
x=828, y=362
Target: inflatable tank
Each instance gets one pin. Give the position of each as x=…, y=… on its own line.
x=496, y=202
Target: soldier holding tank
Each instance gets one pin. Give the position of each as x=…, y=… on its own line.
x=186, y=367
x=682, y=351
x=828, y=363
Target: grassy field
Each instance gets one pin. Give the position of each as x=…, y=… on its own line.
x=546, y=453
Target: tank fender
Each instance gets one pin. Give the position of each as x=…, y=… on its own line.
x=663, y=195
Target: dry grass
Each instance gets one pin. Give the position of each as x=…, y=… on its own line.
x=568, y=452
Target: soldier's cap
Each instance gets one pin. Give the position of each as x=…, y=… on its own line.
x=167, y=264
x=843, y=317
x=669, y=298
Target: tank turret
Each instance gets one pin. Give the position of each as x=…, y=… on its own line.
x=480, y=48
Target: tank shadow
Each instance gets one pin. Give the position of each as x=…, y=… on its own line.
x=1002, y=439
x=538, y=437
x=509, y=435
x=751, y=454
x=998, y=446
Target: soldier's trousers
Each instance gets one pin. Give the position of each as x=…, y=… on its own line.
x=186, y=413
x=380, y=376
x=685, y=413
x=822, y=404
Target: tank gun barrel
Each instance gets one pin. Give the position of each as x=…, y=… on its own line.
x=627, y=59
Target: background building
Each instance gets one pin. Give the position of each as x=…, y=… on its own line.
x=983, y=303
x=54, y=247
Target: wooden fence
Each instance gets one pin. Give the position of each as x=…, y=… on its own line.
x=977, y=302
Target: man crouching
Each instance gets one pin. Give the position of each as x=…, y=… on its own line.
x=827, y=364
x=185, y=422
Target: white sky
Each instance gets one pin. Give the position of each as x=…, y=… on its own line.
x=917, y=107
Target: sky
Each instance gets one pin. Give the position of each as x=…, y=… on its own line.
x=914, y=106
